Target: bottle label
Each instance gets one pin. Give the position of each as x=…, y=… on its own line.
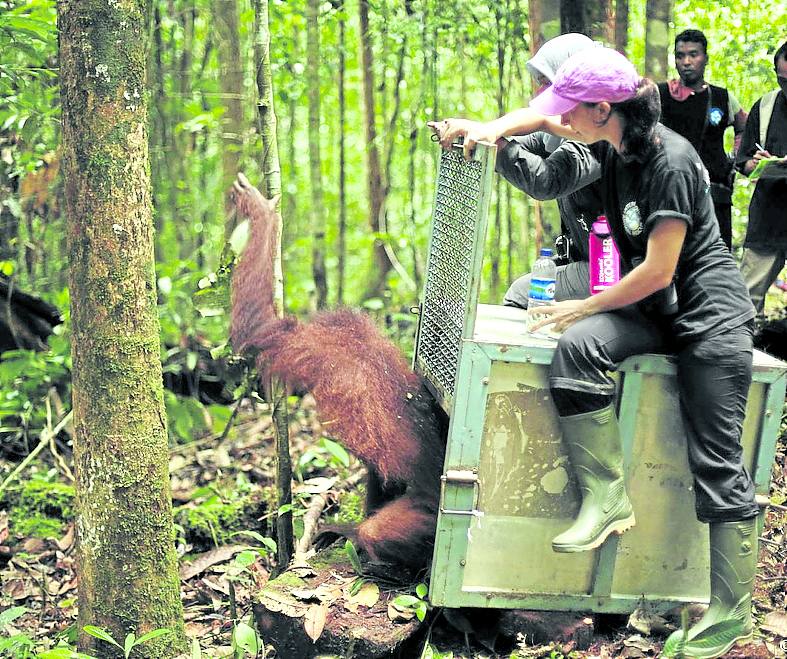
x=604, y=264
x=542, y=289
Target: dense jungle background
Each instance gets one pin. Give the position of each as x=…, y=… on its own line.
x=354, y=84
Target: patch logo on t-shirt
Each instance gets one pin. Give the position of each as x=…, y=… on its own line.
x=715, y=116
x=632, y=220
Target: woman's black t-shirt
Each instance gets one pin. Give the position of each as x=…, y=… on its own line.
x=673, y=182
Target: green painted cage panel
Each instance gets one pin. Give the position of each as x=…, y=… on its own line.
x=508, y=489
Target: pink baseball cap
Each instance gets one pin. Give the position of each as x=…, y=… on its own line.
x=590, y=76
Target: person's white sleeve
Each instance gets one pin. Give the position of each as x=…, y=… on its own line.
x=735, y=106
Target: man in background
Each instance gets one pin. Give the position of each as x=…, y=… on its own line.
x=701, y=113
x=765, y=247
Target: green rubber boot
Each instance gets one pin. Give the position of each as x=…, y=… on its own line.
x=593, y=444
x=733, y=563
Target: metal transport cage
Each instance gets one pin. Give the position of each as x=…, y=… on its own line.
x=506, y=489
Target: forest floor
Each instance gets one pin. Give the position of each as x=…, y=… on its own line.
x=38, y=573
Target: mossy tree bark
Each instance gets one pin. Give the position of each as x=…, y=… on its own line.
x=128, y=579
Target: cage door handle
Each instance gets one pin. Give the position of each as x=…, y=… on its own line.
x=459, y=477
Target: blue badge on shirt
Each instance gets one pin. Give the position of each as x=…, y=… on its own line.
x=715, y=116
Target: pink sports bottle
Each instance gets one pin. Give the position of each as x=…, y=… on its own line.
x=604, y=257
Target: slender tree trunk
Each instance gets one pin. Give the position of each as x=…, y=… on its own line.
x=510, y=235
x=160, y=138
x=621, y=25
x=341, y=247
x=543, y=22
x=9, y=224
x=573, y=16
x=317, y=214
x=290, y=201
x=128, y=577
x=381, y=263
x=501, y=25
x=657, y=41
x=602, y=21
x=272, y=187
x=225, y=14
x=185, y=156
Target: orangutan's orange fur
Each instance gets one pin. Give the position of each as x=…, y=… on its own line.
x=367, y=396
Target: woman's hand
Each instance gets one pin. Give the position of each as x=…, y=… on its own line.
x=562, y=314
x=473, y=132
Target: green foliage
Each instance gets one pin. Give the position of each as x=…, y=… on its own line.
x=246, y=641
x=28, y=41
x=39, y=507
x=416, y=602
x=214, y=517
x=21, y=646
x=268, y=544
x=325, y=453
x=26, y=381
x=352, y=554
x=131, y=640
x=431, y=652
x=17, y=645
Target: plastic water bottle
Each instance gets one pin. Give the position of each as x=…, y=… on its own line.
x=542, y=283
x=604, y=257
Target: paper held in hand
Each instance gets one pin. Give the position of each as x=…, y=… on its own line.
x=770, y=168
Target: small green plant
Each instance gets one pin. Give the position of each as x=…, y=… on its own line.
x=268, y=548
x=325, y=453
x=550, y=651
x=131, y=639
x=246, y=640
x=431, y=652
x=19, y=646
x=417, y=602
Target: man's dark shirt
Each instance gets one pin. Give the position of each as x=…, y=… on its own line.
x=699, y=111
x=767, y=228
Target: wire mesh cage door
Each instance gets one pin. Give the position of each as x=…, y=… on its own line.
x=453, y=270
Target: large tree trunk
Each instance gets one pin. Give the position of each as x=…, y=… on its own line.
x=128, y=577
x=271, y=171
x=657, y=41
x=317, y=214
x=621, y=25
x=382, y=264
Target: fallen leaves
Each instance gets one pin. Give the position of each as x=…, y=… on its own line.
x=202, y=562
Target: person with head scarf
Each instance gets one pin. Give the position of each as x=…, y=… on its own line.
x=533, y=163
x=682, y=293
